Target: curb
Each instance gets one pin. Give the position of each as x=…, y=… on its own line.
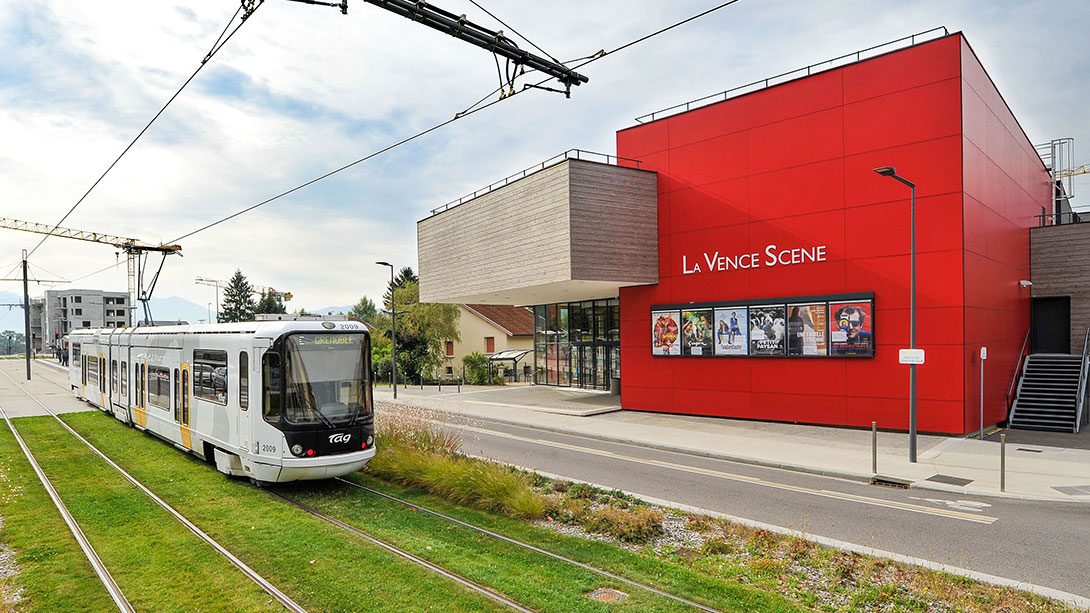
x=800, y=468
x=1075, y=600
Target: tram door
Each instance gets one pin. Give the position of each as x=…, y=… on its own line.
x=184, y=421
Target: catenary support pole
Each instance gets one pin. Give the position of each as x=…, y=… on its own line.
x=912, y=341
x=27, y=341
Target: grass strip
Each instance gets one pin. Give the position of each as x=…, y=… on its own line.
x=158, y=564
x=53, y=572
x=319, y=565
x=544, y=583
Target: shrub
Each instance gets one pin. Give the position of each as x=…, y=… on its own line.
x=581, y=490
x=476, y=365
x=637, y=526
x=714, y=548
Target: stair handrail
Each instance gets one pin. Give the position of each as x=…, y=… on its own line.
x=1081, y=403
x=1017, y=373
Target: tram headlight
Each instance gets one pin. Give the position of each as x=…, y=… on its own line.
x=370, y=439
x=297, y=449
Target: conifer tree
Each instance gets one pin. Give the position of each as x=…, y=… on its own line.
x=238, y=302
x=270, y=303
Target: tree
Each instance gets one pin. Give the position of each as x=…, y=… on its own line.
x=270, y=303
x=364, y=310
x=238, y=302
x=11, y=342
x=402, y=279
x=422, y=331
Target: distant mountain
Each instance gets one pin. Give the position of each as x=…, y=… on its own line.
x=332, y=310
x=176, y=309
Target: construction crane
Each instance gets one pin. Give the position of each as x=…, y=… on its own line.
x=254, y=289
x=136, y=252
x=1072, y=172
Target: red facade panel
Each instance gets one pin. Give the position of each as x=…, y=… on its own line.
x=791, y=166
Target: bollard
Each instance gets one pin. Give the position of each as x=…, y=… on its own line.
x=874, y=447
x=421, y=380
x=440, y=382
x=1002, y=462
x=459, y=387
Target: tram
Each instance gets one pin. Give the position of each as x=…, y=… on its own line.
x=272, y=400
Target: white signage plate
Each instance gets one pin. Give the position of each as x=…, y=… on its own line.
x=911, y=356
x=984, y=353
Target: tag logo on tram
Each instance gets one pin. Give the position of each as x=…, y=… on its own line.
x=343, y=437
x=328, y=325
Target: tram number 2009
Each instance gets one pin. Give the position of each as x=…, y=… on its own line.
x=268, y=448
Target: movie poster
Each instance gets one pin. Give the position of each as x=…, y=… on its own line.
x=766, y=330
x=807, y=325
x=665, y=333
x=696, y=332
x=732, y=331
x=851, y=328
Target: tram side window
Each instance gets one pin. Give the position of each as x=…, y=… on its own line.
x=243, y=381
x=75, y=353
x=177, y=396
x=210, y=375
x=159, y=387
x=92, y=370
x=185, y=397
x=270, y=368
x=113, y=374
x=124, y=380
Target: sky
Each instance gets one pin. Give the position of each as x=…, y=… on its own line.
x=301, y=90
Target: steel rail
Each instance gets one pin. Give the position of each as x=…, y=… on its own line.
x=88, y=550
x=544, y=552
x=263, y=583
x=476, y=587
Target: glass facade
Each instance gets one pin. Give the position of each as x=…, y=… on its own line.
x=578, y=344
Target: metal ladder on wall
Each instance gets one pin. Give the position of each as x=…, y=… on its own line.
x=1053, y=392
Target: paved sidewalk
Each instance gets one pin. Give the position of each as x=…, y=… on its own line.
x=951, y=464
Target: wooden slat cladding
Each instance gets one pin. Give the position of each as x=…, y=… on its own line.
x=576, y=221
x=1061, y=267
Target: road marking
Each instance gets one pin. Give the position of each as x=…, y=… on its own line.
x=889, y=504
x=959, y=505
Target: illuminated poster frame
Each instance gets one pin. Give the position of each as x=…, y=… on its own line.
x=807, y=325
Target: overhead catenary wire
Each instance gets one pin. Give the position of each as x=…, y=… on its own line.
x=221, y=41
x=469, y=111
x=516, y=32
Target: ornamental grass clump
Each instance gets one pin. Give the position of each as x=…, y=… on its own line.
x=412, y=451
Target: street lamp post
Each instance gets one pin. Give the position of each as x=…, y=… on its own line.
x=393, y=329
x=889, y=171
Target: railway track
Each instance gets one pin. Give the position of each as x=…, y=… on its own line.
x=100, y=569
x=511, y=541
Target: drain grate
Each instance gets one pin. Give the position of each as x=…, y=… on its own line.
x=607, y=595
x=1073, y=490
x=890, y=482
x=949, y=480
x=1030, y=450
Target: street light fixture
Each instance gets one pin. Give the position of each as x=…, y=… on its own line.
x=393, y=329
x=890, y=171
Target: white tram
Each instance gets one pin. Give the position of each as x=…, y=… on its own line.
x=269, y=400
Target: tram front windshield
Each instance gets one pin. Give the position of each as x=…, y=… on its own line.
x=326, y=379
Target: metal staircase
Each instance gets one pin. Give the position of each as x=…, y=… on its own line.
x=1052, y=393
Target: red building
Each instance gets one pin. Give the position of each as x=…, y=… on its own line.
x=766, y=208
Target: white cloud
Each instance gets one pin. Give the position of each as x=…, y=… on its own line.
x=301, y=90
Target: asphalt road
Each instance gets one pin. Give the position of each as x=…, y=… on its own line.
x=1045, y=543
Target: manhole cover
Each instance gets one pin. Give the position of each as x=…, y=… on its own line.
x=1073, y=490
x=607, y=595
x=950, y=480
